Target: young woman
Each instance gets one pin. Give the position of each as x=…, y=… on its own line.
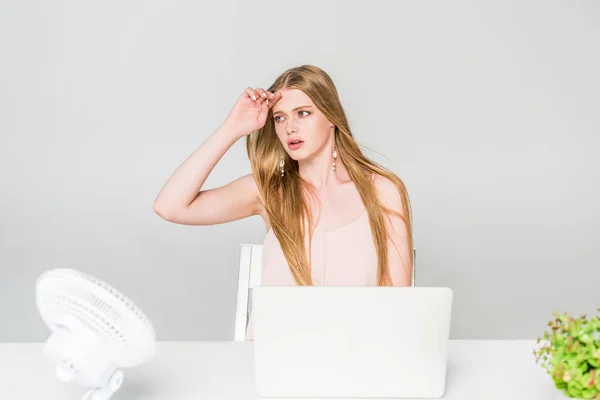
x=333, y=217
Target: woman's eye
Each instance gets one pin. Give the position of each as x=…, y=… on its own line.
x=302, y=113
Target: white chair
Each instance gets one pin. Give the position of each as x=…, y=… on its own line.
x=250, y=272
x=249, y=277
x=412, y=282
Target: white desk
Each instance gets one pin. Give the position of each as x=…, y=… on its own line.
x=478, y=370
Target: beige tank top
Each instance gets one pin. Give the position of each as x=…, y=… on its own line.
x=344, y=256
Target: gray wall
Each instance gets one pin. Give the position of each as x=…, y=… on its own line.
x=488, y=110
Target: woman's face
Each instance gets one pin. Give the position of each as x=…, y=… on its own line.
x=301, y=127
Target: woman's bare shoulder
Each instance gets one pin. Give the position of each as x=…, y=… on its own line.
x=388, y=192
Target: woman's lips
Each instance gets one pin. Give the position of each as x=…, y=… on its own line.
x=295, y=144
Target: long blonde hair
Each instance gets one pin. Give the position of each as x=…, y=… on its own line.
x=285, y=197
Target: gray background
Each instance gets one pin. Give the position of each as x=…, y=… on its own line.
x=488, y=110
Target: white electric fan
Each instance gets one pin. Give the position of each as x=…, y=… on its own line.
x=96, y=330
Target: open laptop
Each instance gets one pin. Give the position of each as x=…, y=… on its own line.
x=351, y=342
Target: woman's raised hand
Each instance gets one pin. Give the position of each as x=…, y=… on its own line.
x=250, y=111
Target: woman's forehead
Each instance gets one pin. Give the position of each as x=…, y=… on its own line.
x=290, y=99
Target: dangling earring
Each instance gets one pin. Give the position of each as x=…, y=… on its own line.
x=281, y=164
x=334, y=155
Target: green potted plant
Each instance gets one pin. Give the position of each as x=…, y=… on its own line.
x=570, y=352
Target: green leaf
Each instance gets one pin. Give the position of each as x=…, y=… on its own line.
x=588, y=394
x=575, y=393
x=560, y=384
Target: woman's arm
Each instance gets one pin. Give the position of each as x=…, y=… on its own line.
x=181, y=199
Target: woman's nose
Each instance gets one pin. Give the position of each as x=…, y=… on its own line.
x=291, y=128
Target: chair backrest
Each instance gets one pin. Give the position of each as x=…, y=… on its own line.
x=412, y=281
x=250, y=273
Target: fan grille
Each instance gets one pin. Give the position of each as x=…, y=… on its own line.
x=99, y=307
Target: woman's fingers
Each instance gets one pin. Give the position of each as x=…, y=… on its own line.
x=251, y=93
x=273, y=98
x=265, y=96
x=261, y=95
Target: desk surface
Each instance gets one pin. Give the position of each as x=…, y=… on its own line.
x=486, y=369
